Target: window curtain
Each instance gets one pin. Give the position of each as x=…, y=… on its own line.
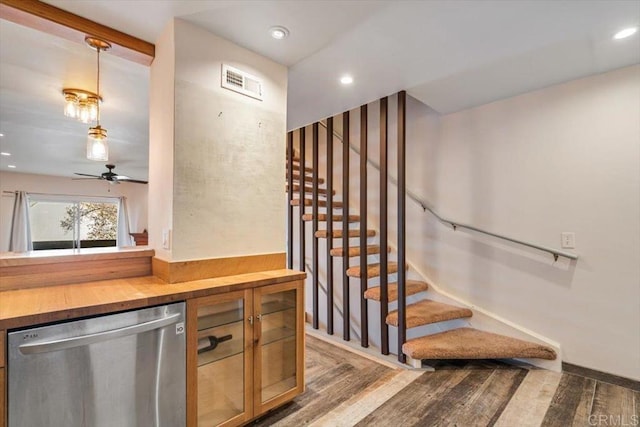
x=124, y=236
x=20, y=240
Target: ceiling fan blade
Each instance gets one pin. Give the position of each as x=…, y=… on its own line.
x=82, y=179
x=135, y=181
x=86, y=174
x=121, y=177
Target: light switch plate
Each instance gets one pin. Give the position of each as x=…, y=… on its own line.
x=568, y=240
x=166, y=239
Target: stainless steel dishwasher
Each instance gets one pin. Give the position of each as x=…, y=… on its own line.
x=120, y=370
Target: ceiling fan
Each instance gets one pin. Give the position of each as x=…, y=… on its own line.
x=111, y=177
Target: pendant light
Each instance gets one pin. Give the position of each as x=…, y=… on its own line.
x=80, y=104
x=97, y=146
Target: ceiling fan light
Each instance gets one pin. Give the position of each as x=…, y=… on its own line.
x=97, y=146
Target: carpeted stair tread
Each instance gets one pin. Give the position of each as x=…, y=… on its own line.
x=336, y=218
x=296, y=167
x=296, y=177
x=413, y=287
x=296, y=155
x=337, y=234
x=373, y=270
x=355, y=251
x=308, y=190
x=321, y=203
x=469, y=343
x=427, y=311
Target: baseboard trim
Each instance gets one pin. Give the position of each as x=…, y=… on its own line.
x=604, y=377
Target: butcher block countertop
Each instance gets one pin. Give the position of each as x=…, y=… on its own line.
x=37, y=305
x=52, y=256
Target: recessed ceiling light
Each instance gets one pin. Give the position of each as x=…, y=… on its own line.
x=346, y=80
x=1, y=135
x=623, y=34
x=279, y=32
x=4, y=153
x=11, y=166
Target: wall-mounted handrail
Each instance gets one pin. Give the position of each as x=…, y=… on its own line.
x=455, y=224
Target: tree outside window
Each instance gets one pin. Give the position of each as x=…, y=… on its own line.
x=59, y=223
x=100, y=219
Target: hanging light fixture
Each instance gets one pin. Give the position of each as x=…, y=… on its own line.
x=81, y=104
x=97, y=147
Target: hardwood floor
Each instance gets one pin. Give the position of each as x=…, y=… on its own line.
x=344, y=389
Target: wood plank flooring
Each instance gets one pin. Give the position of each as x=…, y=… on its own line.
x=345, y=389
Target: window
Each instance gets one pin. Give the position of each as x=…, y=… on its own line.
x=65, y=222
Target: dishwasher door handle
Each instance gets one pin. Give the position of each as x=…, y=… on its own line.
x=65, y=343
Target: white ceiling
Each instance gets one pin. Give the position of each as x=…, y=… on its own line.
x=450, y=55
x=33, y=70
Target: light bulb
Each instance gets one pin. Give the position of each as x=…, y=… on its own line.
x=93, y=109
x=627, y=32
x=70, y=105
x=83, y=111
x=346, y=80
x=97, y=146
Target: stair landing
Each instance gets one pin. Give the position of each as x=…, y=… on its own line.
x=469, y=343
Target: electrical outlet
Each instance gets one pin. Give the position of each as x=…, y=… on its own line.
x=166, y=239
x=568, y=240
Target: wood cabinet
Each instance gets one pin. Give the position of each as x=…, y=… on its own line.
x=245, y=353
x=3, y=380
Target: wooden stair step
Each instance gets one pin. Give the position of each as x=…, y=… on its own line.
x=337, y=234
x=308, y=190
x=373, y=270
x=427, y=311
x=296, y=155
x=336, y=218
x=321, y=203
x=296, y=177
x=355, y=251
x=413, y=287
x=296, y=166
x=469, y=343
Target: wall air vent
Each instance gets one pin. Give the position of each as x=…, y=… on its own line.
x=241, y=82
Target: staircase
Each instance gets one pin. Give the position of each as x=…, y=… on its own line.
x=454, y=343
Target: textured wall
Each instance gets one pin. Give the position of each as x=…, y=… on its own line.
x=229, y=152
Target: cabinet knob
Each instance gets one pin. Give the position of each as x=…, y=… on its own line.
x=250, y=319
x=259, y=317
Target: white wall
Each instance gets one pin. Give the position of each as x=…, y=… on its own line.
x=229, y=151
x=161, y=132
x=136, y=195
x=565, y=158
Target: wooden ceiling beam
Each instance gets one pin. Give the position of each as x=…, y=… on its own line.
x=52, y=20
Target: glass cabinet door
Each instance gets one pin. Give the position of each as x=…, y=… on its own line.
x=221, y=347
x=279, y=344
